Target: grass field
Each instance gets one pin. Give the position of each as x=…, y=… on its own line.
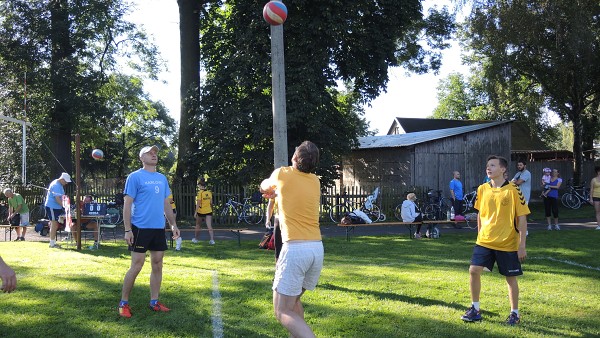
x=371, y=287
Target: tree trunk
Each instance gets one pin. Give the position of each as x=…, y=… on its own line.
x=577, y=146
x=61, y=67
x=189, y=33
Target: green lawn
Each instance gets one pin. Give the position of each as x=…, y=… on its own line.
x=370, y=287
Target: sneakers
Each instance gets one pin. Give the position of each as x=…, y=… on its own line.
x=94, y=246
x=556, y=227
x=125, y=311
x=513, y=319
x=471, y=315
x=55, y=246
x=194, y=240
x=159, y=307
x=211, y=242
x=417, y=236
x=549, y=227
x=598, y=227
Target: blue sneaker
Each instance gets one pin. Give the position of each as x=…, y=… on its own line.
x=513, y=319
x=471, y=315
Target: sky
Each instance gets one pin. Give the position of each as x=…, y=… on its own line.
x=406, y=96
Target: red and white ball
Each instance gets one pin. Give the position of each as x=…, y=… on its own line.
x=275, y=13
x=97, y=154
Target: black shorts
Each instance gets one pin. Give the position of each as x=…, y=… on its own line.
x=507, y=261
x=596, y=199
x=148, y=239
x=204, y=215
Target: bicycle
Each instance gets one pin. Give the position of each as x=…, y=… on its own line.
x=437, y=207
x=469, y=200
x=573, y=198
x=372, y=210
x=36, y=213
x=114, y=211
x=249, y=212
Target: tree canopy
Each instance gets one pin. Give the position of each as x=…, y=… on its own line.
x=337, y=57
x=553, y=46
x=71, y=54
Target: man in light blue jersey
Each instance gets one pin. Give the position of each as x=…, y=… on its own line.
x=146, y=201
x=53, y=204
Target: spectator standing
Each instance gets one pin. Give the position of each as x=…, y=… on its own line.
x=54, y=206
x=17, y=206
x=203, y=212
x=551, y=199
x=301, y=260
x=409, y=212
x=523, y=180
x=174, y=208
x=457, y=193
x=272, y=212
x=501, y=237
x=595, y=195
x=146, y=205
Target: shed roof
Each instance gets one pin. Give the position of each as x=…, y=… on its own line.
x=409, y=139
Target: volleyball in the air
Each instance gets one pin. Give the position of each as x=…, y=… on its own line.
x=97, y=154
x=275, y=13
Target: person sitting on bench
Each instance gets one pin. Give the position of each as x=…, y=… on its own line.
x=410, y=214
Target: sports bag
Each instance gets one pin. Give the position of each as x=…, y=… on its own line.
x=264, y=242
x=15, y=220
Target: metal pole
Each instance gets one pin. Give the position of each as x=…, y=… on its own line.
x=24, y=157
x=280, y=149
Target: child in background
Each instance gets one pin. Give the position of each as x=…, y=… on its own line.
x=546, y=181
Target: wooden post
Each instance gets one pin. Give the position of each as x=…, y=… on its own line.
x=280, y=148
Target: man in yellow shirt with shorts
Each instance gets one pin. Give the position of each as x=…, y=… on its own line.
x=501, y=236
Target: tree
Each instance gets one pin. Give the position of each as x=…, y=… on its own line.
x=326, y=44
x=189, y=33
x=68, y=50
x=553, y=44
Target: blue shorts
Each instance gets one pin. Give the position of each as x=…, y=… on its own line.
x=53, y=214
x=507, y=261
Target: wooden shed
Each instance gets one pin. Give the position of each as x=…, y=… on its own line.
x=427, y=158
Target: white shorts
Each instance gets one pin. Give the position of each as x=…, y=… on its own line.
x=24, y=219
x=298, y=267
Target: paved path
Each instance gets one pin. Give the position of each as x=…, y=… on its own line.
x=327, y=230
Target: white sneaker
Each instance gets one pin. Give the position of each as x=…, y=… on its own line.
x=598, y=227
x=549, y=227
x=194, y=240
x=526, y=233
x=211, y=242
x=55, y=246
x=178, y=241
x=557, y=227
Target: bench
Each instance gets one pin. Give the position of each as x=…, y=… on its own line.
x=235, y=231
x=8, y=229
x=409, y=225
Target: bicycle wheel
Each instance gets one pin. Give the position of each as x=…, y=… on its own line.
x=36, y=214
x=337, y=212
x=398, y=212
x=431, y=212
x=563, y=199
x=253, y=213
x=113, y=216
x=572, y=201
x=374, y=214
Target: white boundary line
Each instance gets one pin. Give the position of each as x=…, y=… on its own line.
x=568, y=262
x=217, y=320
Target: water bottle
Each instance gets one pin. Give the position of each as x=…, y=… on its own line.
x=452, y=213
x=447, y=216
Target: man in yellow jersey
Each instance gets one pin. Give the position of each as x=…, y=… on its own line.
x=174, y=207
x=203, y=212
x=301, y=259
x=501, y=236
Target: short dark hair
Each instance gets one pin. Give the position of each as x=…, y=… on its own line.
x=307, y=157
x=502, y=160
x=597, y=169
x=522, y=161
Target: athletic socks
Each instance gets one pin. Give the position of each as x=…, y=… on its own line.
x=153, y=302
x=515, y=311
x=475, y=305
x=123, y=303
